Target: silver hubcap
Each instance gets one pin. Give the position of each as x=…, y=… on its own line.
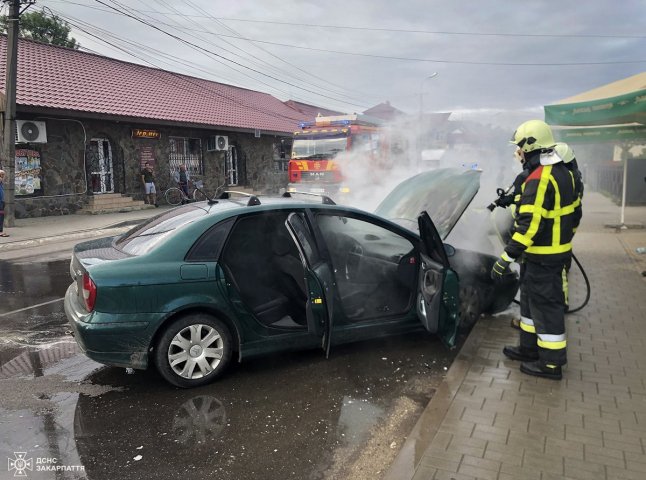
x=195, y=351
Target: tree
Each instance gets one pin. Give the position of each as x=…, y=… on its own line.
x=44, y=28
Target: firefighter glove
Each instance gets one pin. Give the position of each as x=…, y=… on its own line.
x=501, y=267
x=505, y=200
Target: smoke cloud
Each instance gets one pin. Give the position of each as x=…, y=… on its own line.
x=478, y=143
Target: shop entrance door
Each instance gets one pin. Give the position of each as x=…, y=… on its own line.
x=232, y=166
x=100, y=162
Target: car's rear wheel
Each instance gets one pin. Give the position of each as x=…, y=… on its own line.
x=194, y=350
x=470, y=307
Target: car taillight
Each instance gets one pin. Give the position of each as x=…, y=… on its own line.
x=89, y=292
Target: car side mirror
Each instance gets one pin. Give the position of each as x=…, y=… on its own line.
x=449, y=250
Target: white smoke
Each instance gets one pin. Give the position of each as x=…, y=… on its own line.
x=482, y=144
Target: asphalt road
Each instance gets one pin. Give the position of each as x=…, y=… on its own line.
x=295, y=415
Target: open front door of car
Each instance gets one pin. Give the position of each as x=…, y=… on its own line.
x=320, y=281
x=437, y=298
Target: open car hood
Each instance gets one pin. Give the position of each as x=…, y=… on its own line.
x=444, y=193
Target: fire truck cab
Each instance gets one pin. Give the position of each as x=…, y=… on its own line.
x=322, y=147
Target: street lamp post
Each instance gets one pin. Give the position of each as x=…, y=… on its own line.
x=420, y=130
x=421, y=92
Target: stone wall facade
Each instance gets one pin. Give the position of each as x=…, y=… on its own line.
x=84, y=157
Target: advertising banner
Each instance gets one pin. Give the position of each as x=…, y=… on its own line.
x=28, y=172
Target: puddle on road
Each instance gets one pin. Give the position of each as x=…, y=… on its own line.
x=25, y=284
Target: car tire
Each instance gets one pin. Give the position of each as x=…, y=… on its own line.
x=470, y=307
x=194, y=350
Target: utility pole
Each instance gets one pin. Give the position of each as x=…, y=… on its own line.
x=8, y=159
x=421, y=131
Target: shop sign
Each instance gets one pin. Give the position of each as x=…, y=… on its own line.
x=143, y=133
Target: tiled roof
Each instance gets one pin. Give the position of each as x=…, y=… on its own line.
x=385, y=111
x=61, y=78
x=311, y=111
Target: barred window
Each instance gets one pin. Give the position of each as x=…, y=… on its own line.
x=187, y=151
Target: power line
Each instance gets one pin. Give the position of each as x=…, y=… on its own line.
x=218, y=59
x=393, y=30
x=383, y=57
x=186, y=79
x=459, y=62
x=202, y=49
x=237, y=35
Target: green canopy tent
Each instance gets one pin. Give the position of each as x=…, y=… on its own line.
x=613, y=113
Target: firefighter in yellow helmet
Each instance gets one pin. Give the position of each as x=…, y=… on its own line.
x=543, y=231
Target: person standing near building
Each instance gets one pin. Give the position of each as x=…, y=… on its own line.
x=542, y=239
x=182, y=180
x=2, y=232
x=148, y=179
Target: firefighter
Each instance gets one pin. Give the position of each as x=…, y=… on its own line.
x=563, y=153
x=543, y=231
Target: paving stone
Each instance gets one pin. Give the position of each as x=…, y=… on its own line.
x=481, y=463
x=519, y=473
x=481, y=417
x=584, y=470
x=557, y=447
x=445, y=475
x=441, y=463
x=457, y=427
x=615, y=473
x=499, y=406
x=478, y=472
x=486, y=432
x=542, y=462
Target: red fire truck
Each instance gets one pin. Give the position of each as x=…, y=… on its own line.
x=321, y=147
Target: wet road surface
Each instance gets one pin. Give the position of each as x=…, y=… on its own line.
x=294, y=415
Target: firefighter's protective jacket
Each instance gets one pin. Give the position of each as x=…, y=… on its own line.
x=547, y=215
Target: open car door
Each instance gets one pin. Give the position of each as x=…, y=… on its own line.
x=320, y=281
x=438, y=291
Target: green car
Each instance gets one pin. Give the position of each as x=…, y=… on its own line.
x=246, y=275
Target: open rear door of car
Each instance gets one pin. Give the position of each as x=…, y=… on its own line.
x=437, y=298
x=320, y=281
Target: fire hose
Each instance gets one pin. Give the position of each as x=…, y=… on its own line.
x=506, y=199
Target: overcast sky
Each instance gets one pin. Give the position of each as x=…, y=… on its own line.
x=292, y=49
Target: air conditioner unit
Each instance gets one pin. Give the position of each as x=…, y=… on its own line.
x=218, y=143
x=31, y=131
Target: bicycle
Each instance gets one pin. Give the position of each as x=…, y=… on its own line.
x=175, y=195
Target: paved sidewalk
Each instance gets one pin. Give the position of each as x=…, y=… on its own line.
x=61, y=231
x=489, y=421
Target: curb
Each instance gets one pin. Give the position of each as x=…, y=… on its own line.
x=420, y=438
x=81, y=234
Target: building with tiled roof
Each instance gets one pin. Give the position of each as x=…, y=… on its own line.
x=102, y=118
x=64, y=80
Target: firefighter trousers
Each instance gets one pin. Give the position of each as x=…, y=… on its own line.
x=543, y=302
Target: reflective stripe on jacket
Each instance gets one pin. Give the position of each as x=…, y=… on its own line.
x=547, y=215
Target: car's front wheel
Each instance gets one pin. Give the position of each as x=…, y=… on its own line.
x=194, y=350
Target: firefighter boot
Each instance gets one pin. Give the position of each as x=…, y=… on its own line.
x=540, y=369
x=519, y=353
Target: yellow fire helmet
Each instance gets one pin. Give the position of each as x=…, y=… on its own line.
x=533, y=135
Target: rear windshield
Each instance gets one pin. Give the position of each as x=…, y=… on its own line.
x=146, y=236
